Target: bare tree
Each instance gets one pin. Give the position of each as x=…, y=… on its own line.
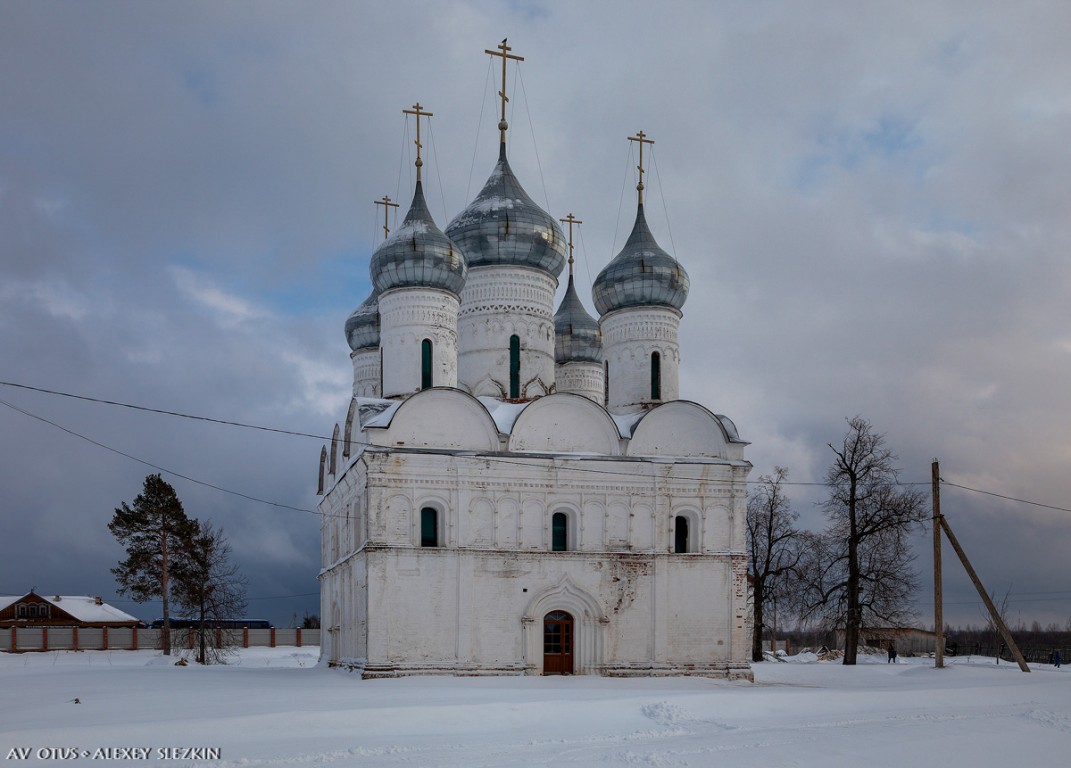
x=991, y=626
x=773, y=543
x=152, y=531
x=860, y=568
x=210, y=590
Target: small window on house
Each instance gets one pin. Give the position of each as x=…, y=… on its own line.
x=22, y=611
x=425, y=364
x=514, y=367
x=33, y=611
x=656, y=376
x=559, y=532
x=429, y=527
x=680, y=534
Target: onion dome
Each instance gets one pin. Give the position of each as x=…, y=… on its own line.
x=641, y=275
x=502, y=226
x=577, y=337
x=362, y=326
x=418, y=255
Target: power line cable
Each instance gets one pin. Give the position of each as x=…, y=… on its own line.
x=1006, y=498
x=157, y=467
x=178, y=414
x=358, y=443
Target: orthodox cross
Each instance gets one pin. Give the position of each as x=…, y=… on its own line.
x=571, y=220
x=418, y=111
x=505, y=54
x=387, y=205
x=641, y=137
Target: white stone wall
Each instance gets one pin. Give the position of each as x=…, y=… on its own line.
x=476, y=603
x=629, y=337
x=584, y=379
x=407, y=316
x=496, y=303
x=367, y=372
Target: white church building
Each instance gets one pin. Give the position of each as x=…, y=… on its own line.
x=519, y=490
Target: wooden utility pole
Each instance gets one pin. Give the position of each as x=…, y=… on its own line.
x=938, y=606
x=985, y=597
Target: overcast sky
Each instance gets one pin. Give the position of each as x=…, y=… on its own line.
x=871, y=200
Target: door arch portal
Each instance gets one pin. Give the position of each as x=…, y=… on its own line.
x=557, y=643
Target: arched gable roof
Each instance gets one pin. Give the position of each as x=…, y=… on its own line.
x=681, y=428
x=440, y=417
x=565, y=423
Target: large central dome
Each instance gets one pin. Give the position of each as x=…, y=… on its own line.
x=503, y=227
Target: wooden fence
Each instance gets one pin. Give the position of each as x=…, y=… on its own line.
x=21, y=639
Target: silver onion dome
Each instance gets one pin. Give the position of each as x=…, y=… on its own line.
x=577, y=337
x=362, y=326
x=418, y=255
x=502, y=226
x=641, y=275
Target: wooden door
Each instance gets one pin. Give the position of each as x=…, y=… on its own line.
x=557, y=643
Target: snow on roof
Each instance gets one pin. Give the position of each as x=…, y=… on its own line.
x=626, y=422
x=504, y=414
x=376, y=412
x=81, y=607
x=85, y=608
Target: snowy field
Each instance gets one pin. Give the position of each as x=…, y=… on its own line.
x=277, y=707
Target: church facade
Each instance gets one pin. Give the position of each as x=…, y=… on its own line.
x=517, y=489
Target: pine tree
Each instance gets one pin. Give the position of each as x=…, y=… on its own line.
x=154, y=531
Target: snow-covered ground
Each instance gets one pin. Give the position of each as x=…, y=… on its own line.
x=277, y=707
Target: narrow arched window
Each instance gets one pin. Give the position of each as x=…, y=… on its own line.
x=559, y=532
x=656, y=376
x=680, y=534
x=606, y=382
x=429, y=527
x=425, y=364
x=514, y=366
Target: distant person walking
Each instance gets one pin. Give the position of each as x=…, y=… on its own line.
x=1056, y=658
x=892, y=653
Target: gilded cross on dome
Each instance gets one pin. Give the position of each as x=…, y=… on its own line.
x=387, y=205
x=418, y=111
x=504, y=52
x=571, y=220
x=641, y=137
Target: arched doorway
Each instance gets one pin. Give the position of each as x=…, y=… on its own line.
x=557, y=643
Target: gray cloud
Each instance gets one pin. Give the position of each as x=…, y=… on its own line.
x=871, y=205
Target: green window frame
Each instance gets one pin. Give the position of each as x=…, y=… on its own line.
x=429, y=527
x=514, y=367
x=425, y=364
x=559, y=532
x=656, y=376
x=680, y=534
